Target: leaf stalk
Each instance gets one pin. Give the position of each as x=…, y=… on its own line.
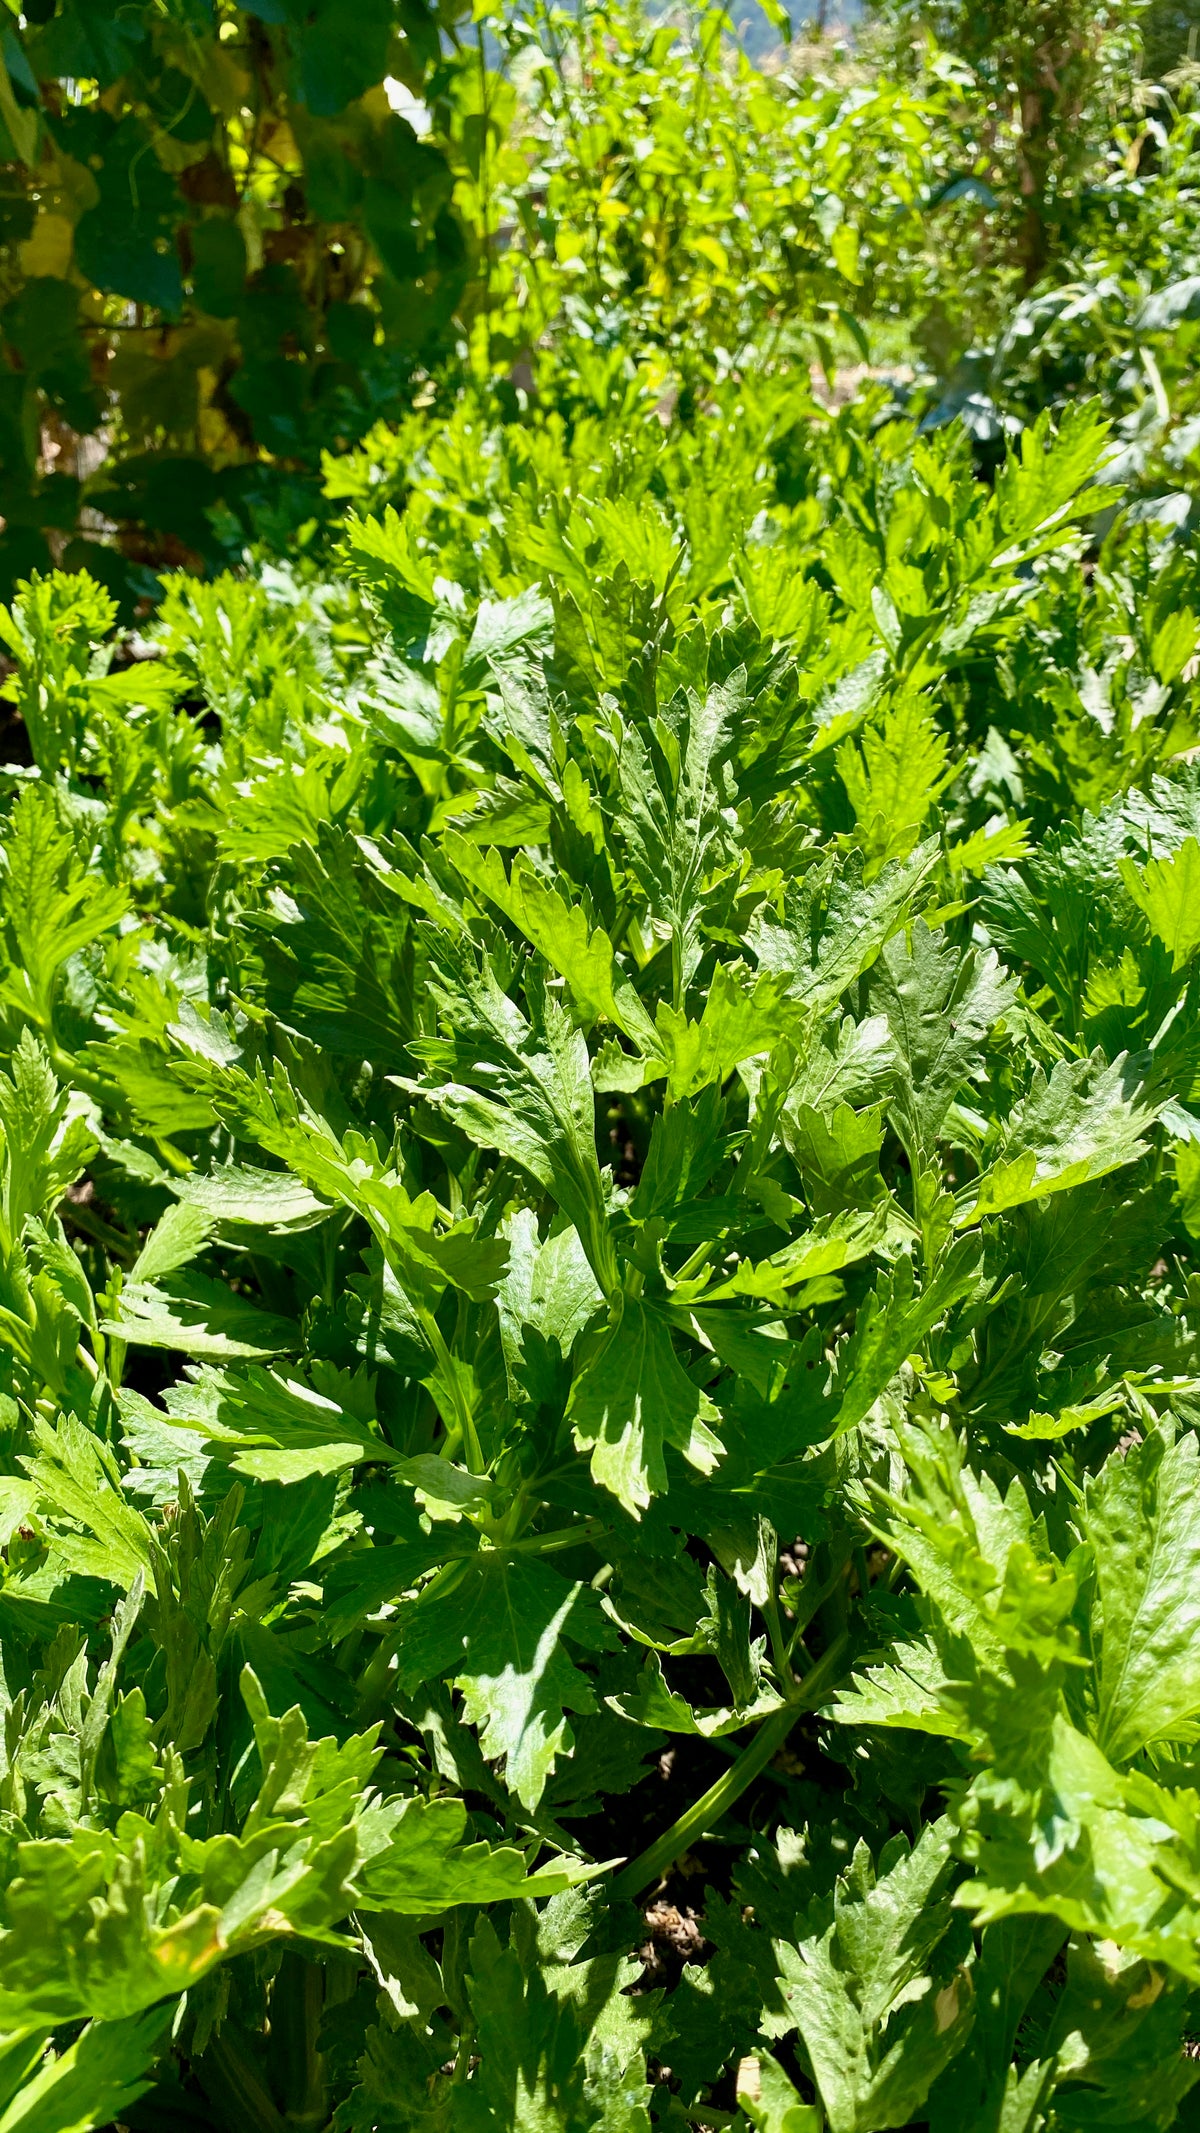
x=707, y=1811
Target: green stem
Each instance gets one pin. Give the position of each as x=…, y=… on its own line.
x=376, y=1674
x=814, y=1592
x=549, y=1543
x=700, y=1258
x=705, y=1812
x=472, y=1450
x=676, y=971
x=71, y=1073
x=779, y=1644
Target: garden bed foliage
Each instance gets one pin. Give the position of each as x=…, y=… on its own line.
x=599, y=1195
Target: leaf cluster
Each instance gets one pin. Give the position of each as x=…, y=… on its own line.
x=598, y=1185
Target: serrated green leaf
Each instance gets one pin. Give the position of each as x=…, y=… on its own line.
x=105, y=2069
x=1168, y=892
x=1083, y=1120
x=197, y=1316
x=500, y=1627
x=882, y=1999
x=1142, y=1517
x=940, y=1007
x=631, y=1399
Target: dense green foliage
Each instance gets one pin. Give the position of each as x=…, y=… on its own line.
x=234, y=239
x=598, y=1178
x=207, y=214
x=600, y=1123
x=1042, y=65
